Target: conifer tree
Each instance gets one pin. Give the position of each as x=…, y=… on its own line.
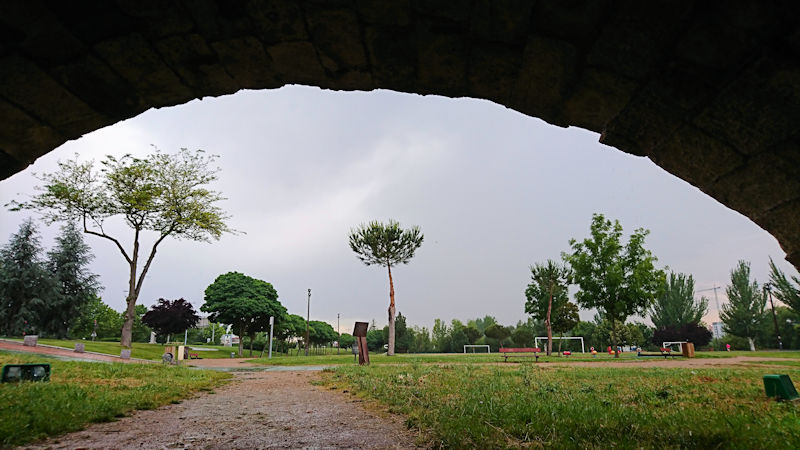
x=25, y=283
x=744, y=314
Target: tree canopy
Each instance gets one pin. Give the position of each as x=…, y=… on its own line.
x=547, y=295
x=676, y=306
x=785, y=290
x=743, y=315
x=386, y=245
x=171, y=316
x=243, y=302
x=618, y=280
x=164, y=194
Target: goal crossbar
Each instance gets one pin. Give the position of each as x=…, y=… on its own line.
x=544, y=338
x=488, y=349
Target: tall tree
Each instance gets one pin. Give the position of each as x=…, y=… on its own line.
x=25, y=283
x=743, y=315
x=68, y=263
x=171, y=316
x=677, y=307
x=386, y=245
x=618, y=280
x=785, y=290
x=162, y=195
x=241, y=301
x=548, y=288
x=565, y=319
x=96, y=316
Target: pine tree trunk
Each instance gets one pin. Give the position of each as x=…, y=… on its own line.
x=390, y=351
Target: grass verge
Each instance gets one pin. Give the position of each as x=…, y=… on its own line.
x=579, y=407
x=80, y=393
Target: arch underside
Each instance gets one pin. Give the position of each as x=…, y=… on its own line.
x=710, y=91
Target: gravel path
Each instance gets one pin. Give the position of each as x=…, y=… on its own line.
x=256, y=410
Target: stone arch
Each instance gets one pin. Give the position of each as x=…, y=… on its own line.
x=709, y=91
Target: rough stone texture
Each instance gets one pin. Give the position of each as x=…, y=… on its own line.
x=710, y=91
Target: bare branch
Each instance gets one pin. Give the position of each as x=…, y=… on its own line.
x=105, y=236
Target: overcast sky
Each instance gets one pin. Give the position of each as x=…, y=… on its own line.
x=493, y=191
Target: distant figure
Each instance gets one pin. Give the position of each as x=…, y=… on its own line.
x=728, y=346
x=594, y=352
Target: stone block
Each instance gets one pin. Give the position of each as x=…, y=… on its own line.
x=696, y=157
x=381, y=12
x=296, y=61
x=493, y=72
x=30, y=341
x=191, y=58
x=134, y=59
x=247, y=62
x=596, y=98
x=80, y=347
x=548, y=66
x=125, y=353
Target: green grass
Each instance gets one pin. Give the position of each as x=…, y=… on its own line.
x=151, y=352
x=578, y=407
x=80, y=393
x=460, y=358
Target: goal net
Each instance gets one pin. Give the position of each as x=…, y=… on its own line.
x=543, y=339
x=474, y=349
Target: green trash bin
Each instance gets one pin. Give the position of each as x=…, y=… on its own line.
x=780, y=387
x=26, y=372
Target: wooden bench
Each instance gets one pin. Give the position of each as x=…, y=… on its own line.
x=665, y=352
x=520, y=352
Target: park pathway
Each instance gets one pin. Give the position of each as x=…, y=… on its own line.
x=276, y=409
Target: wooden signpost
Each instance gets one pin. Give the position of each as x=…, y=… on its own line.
x=360, y=333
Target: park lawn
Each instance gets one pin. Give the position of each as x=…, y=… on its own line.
x=501, y=406
x=140, y=350
x=80, y=393
x=429, y=358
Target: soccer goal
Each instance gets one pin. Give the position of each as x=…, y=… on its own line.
x=544, y=338
x=473, y=347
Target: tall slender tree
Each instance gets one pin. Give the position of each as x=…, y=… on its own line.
x=785, y=290
x=68, y=263
x=744, y=314
x=546, y=293
x=617, y=280
x=386, y=245
x=162, y=195
x=677, y=307
x=25, y=283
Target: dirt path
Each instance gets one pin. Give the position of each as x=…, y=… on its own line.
x=256, y=410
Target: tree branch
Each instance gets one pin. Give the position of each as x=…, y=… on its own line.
x=150, y=258
x=105, y=236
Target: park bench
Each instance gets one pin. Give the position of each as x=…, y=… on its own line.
x=520, y=352
x=665, y=352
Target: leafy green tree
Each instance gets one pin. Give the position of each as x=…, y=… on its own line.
x=523, y=336
x=499, y=333
x=346, y=340
x=422, y=341
x=440, y=335
x=108, y=321
x=618, y=280
x=785, y=290
x=25, y=283
x=321, y=333
x=676, y=307
x=162, y=194
x=564, y=321
x=76, y=285
x=293, y=326
x=375, y=340
x=386, y=245
x=548, y=289
x=214, y=331
x=169, y=317
x=240, y=300
x=482, y=324
x=141, y=332
x=743, y=315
